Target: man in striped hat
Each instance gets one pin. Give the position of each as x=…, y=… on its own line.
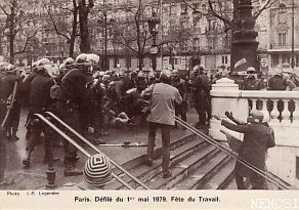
x=97, y=173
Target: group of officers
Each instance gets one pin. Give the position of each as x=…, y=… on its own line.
x=89, y=101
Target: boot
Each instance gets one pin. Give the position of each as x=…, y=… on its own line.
x=26, y=161
x=71, y=170
x=14, y=136
x=8, y=133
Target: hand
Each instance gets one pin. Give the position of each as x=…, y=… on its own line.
x=90, y=130
x=217, y=117
x=229, y=114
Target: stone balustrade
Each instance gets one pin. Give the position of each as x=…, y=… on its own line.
x=283, y=107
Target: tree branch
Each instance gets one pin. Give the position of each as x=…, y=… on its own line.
x=28, y=38
x=225, y=20
x=55, y=26
x=265, y=6
x=3, y=10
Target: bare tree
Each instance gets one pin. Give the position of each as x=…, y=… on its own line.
x=238, y=24
x=131, y=32
x=85, y=7
x=18, y=23
x=66, y=10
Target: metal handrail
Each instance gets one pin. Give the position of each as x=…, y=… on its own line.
x=230, y=153
x=81, y=149
x=95, y=148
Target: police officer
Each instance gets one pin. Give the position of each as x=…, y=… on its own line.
x=251, y=82
x=77, y=104
x=180, y=84
x=201, y=88
x=11, y=75
x=39, y=100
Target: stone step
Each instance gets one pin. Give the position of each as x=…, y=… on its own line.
x=139, y=169
x=202, y=173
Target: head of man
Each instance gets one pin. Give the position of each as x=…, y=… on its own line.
x=251, y=73
x=165, y=76
x=38, y=66
x=82, y=63
x=258, y=116
x=68, y=63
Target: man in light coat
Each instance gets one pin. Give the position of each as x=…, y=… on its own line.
x=162, y=115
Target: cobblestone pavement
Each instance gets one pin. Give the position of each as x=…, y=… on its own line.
x=35, y=178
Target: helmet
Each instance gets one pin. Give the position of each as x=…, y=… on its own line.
x=106, y=77
x=52, y=70
x=174, y=73
x=251, y=70
x=141, y=74
x=10, y=68
x=97, y=171
x=68, y=62
x=3, y=65
x=165, y=76
x=260, y=116
x=82, y=60
x=39, y=65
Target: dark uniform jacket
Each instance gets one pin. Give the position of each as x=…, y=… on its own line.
x=257, y=139
x=39, y=97
x=277, y=83
x=75, y=91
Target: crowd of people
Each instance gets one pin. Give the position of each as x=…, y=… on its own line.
x=89, y=101
x=92, y=101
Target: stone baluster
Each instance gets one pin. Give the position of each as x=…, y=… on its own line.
x=253, y=104
x=264, y=105
x=296, y=113
x=275, y=112
x=285, y=114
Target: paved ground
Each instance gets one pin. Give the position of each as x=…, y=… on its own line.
x=35, y=178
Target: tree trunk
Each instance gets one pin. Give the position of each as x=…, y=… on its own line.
x=84, y=32
x=140, y=62
x=74, y=30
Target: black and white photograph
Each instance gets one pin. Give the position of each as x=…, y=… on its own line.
x=149, y=95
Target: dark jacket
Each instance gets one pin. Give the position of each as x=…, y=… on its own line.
x=257, y=139
x=39, y=97
x=277, y=82
x=75, y=90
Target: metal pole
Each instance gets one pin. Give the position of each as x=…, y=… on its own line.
x=293, y=35
x=105, y=36
x=96, y=149
x=2, y=155
x=162, y=32
x=81, y=149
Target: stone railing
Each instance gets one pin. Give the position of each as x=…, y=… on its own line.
x=283, y=107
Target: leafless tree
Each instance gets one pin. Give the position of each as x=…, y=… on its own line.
x=131, y=32
x=66, y=10
x=84, y=7
x=18, y=24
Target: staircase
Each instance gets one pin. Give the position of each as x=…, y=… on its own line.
x=195, y=164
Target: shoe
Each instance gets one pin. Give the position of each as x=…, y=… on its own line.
x=26, y=164
x=167, y=174
x=14, y=138
x=98, y=141
x=148, y=162
x=55, y=159
x=72, y=172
